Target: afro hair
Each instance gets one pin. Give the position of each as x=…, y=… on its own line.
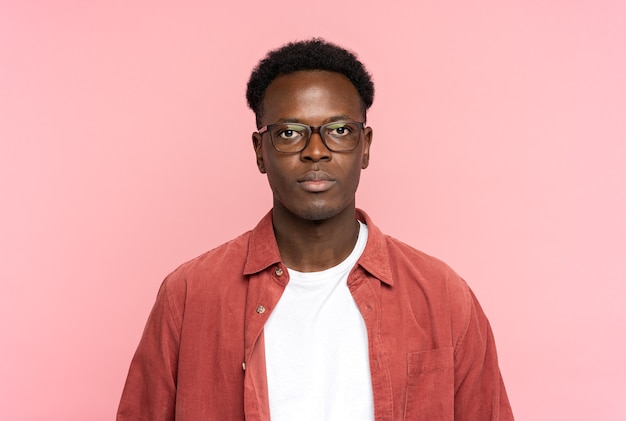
x=313, y=54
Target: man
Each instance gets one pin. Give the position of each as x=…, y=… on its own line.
x=314, y=314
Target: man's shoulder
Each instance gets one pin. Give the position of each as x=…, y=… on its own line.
x=402, y=251
x=222, y=256
x=413, y=268
x=404, y=262
x=429, y=280
x=231, y=256
x=223, y=261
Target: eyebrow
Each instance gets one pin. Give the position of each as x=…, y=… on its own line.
x=326, y=121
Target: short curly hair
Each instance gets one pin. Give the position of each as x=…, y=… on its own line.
x=313, y=54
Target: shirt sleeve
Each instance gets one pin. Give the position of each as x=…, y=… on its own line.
x=150, y=389
x=479, y=393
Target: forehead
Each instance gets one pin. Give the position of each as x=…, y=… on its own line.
x=311, y=96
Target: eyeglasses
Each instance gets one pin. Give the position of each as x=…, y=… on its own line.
x=339, y=136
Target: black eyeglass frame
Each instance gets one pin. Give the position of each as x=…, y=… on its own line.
x=311, y=130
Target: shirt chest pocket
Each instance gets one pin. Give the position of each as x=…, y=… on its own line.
x=430, y=385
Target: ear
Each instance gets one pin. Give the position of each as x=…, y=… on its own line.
x=257, y=143
x=367, y=141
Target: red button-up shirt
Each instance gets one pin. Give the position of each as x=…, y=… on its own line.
x=202, y=354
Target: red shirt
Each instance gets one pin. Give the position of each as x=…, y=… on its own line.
x=202, y=354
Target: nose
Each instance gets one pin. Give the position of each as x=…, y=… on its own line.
x=315, y=150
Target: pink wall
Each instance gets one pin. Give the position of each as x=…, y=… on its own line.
x=500, y=147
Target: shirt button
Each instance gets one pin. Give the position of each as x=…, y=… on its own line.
x=260, y=309
x=279, y=272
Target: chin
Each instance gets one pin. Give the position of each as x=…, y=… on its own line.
x=318, y=213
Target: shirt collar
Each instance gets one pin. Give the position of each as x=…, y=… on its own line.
x=375, y=257
x=263, y=250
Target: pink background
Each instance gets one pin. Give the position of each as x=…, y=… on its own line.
x=500, y=147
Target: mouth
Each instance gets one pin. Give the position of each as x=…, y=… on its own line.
x=316, y=181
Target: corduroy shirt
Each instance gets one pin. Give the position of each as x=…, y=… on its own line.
x=202, y=355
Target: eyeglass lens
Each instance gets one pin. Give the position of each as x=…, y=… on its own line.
x=293, y=137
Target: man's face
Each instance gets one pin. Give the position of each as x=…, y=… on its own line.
x=315, y=184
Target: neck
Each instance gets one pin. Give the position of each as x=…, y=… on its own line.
x=311, y=246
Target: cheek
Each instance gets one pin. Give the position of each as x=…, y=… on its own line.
x=277, y=171
x=351, y=175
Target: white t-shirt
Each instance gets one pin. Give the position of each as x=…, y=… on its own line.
x=316, y=348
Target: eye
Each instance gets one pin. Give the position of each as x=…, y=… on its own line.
x=289, y=132
x=339, y=130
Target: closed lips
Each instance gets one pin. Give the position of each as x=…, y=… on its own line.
x=316, y=176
